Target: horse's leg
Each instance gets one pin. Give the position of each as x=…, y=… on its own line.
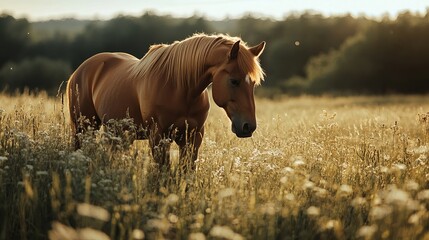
x=82, y=110
x=160, y=150
x=189, y=143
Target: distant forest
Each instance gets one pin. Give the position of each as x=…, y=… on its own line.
x=306, y=53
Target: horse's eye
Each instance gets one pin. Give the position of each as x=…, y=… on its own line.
x=235, y=82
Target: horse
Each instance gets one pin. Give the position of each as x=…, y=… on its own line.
x=166, y=91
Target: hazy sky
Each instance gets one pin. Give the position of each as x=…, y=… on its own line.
x=215, y=9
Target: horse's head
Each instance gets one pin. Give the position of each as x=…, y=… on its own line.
x=233, y=84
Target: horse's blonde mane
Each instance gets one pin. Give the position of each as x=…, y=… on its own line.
x=183, y=61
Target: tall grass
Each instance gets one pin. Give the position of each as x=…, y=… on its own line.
x=316, y=168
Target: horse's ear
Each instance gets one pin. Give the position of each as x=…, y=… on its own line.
x=234, y=50
x=258, y=49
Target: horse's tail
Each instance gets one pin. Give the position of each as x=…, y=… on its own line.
x=69, y=93
x=72, y=96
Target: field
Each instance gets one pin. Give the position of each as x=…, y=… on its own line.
x=316, y=168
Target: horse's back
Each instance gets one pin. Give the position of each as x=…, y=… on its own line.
x=92, y=70
x=99, y=83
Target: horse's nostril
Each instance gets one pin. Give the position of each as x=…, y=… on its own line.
x=246, y=127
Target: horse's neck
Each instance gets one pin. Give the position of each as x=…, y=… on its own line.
x=203, y=82
x=214, y=60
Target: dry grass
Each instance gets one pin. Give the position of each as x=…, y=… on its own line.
x=317, y=168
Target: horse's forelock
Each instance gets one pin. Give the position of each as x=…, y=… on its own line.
x=249, y=64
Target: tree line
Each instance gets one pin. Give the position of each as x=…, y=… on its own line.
x=306, y=53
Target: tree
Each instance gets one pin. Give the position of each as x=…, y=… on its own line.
x=35, y=74
x=390, y=56
x=14, y=37
x=298, y=38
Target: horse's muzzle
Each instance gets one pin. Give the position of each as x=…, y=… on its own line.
x=242, y=129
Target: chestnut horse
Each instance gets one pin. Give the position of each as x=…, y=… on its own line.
x=165, y=92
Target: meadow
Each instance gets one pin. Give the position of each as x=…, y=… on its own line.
x=316, y=168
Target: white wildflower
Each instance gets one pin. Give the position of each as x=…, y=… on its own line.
x=270, y=167
x=313, y=211
x=105, y=181
x=237, y=161
x=172, y=199
x=422, y=159
x=255, y=153
x=224, y=232
x=219, y=172
x=399, y=167
x=160, y=224
x=88, y=210
x=2, y=160
x=275, y=153
x=226, y=192
x=41, y=173
x=290, y=197
x=331, y=224
x=380, y=212
x=376, y=200
x=358, y=201
x=412, y=185
x=196, y=236
x=345, y=190
x=308, y=184
x=62, y=232
x=137, y=234
x=420, y=150
x=268, y=208
x=423, y=195
x=89, y=233
x=367, y=231
x=78, y=156
x=321, y=192
x=287, y=170
x=396, y=196
x=173, y=218
x=415, y=218
x=298, y=163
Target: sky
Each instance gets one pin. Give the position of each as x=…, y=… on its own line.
x=37, y=10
